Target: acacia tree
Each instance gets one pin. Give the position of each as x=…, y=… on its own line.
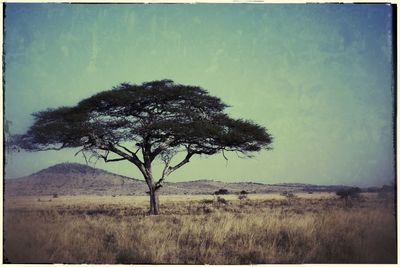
x=142, y=123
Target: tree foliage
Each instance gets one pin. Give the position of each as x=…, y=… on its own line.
x=141, y=123
x=221, y=192
x=348, y=193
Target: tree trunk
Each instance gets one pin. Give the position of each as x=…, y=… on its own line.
x=154, y=203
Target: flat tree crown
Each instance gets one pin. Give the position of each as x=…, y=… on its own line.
x=158, y=119
x=157, y=116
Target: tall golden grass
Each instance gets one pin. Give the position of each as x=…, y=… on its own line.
x=197, y=230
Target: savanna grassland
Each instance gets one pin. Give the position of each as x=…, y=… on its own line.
x=307, y=228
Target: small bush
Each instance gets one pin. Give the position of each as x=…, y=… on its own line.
x=221, y=192
x=242, y=197
x=208, y=209
x=222, y=200
x=353, y=192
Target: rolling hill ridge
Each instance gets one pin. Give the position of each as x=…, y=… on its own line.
x=79, y=179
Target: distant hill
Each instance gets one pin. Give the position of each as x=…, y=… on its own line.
x=73, y=179
x=79, y=179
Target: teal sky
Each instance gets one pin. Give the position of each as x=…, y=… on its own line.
x=318, y=76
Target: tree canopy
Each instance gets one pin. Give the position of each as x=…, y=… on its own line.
x=141, y=123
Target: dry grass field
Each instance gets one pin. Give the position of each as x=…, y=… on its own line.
x=309, y=228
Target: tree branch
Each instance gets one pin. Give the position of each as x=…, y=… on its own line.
x=161, y=147
x=168, y=170
x=50, y=148
x=132, y=158
x=84, y=155
x=111, y=160
x=164, y=173
x=223, y=154
x=82, y=150
x=126, y=149
x=180, y=164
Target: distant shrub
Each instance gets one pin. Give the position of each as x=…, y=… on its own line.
x=221, y=192
x=55, y=195
x=349, y=193
x=242, y=195
x=222, y=200
x=208, y=209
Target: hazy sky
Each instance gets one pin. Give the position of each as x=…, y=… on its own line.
x=318, y=76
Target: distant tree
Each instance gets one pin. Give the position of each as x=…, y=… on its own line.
x=142, y=123
x=349, y=193
x=243, y=195
x=221, y=192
